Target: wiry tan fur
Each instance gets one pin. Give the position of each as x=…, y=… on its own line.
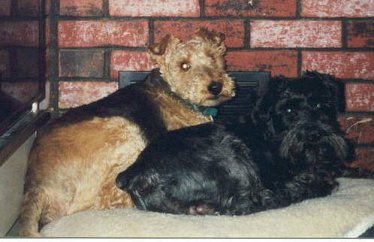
x=73, y=166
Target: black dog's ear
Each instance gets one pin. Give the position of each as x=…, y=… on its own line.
x=275, y=87
x=335, y=86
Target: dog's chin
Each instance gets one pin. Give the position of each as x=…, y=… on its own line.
x=329, y=148
x=214, y=101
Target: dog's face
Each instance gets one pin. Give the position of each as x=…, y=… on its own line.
x=153, y=190
x=197, y=170
x=193, y=189
x=300, y=118
x=159, y=183
x=195, y=69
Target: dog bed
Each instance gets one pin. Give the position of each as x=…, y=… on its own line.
x=348, y=212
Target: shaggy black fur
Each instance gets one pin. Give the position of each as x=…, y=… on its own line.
x=289, y=149
x=198, y=170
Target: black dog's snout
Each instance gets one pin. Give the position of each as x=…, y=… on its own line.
x=314, y=136
x=121, y=181
x=215, y=88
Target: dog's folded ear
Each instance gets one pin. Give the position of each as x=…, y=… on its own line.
x=157, y=50
x=335, y=86
x=160, y=48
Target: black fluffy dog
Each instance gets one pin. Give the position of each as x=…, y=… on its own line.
x=289, y=149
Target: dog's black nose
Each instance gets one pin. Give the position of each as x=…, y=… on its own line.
x=314, y=136
x=215, y=88
x=121, y=181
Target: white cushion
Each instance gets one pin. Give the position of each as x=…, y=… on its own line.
x=348, y=212
x=12, y=173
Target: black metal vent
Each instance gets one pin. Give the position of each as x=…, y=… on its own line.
x=249, y=85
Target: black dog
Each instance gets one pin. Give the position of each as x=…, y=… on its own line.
x=289, y=149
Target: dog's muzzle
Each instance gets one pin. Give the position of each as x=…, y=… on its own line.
x=121, y=182
x=302, y=138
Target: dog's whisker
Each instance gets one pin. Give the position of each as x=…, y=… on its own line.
x=140, y=200
x=339, y=145
x=290, y=138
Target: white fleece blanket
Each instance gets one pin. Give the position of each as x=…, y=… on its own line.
x=348, y=212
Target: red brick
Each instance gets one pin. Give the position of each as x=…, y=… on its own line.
x=136, y=8
x=360, y=97
x=5, y=7
x=360, y=33
x=103, y=33
x=254, y=8
x=233, y=29
x=129, y=61
x=19, y=33
x=359, y=128
x=277, y=62
x=81, y=8
x=4, y=64
x=27, y=7
x=81, y=63
x=291, y=34
x=364, y=158
x=358, y=65
x=337, y=8
x=73, y=94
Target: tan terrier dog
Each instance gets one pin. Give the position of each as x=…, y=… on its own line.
x=75, y=159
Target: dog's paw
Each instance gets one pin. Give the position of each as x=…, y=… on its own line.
x=201, y=209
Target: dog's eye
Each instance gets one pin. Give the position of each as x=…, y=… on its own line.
x=185, y=66
x=288, y=110
x=318, y=106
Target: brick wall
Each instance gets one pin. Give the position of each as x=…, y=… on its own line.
x=91, y=40
x=19, y=41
